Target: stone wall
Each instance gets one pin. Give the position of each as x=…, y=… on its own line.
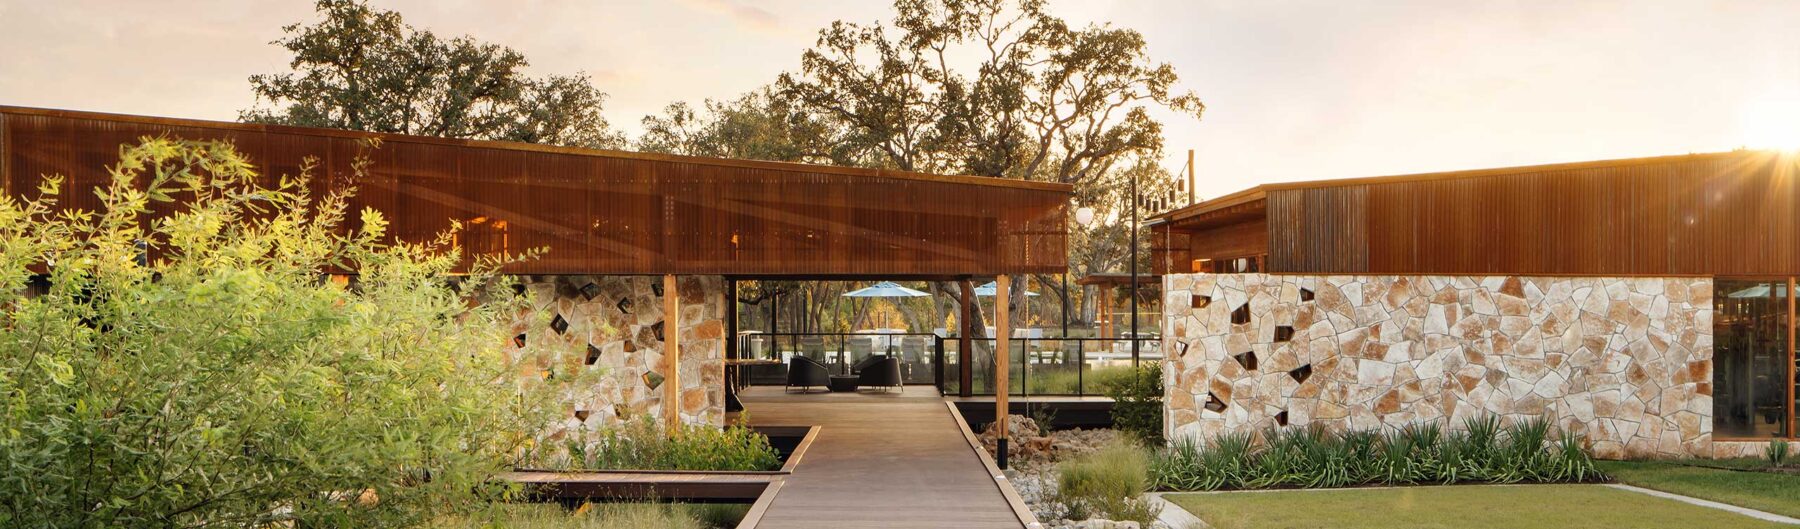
x=1625, y=362
x=603, y=335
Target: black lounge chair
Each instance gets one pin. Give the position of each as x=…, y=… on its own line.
x=867, y=361
x=806, y=373
x=883, y=372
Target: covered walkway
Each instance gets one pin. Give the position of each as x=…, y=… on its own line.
x=880, y=460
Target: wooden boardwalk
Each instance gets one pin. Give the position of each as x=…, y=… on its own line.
x=880, y=461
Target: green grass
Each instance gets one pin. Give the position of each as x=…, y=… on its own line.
x=1763, y=491
x=1462, y=507
x=600, y=516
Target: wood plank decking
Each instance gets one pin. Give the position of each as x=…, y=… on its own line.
x=879, y=461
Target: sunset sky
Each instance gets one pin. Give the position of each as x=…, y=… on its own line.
x=1296, y=90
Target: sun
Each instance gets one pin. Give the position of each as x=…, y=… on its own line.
x=1771, y=123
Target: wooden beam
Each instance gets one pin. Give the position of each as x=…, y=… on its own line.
x=1002, y=350
x=671, y=355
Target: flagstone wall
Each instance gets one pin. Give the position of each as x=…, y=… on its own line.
x=607, y=332
x=1625, y=362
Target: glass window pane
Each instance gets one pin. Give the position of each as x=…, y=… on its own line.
x=1750, y=359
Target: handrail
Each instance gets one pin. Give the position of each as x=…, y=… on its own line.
x=1040, y=372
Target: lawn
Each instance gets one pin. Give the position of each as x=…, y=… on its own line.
x=1469, y=506
x=1763, y=491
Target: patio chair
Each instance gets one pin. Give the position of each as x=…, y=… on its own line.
x=806, y=373
x=883, y=372
x=858, y=367
x=858, y=350
x=912, y=353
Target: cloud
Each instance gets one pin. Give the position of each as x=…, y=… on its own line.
x=745, y=15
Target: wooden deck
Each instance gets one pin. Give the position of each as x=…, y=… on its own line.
x=880, y=461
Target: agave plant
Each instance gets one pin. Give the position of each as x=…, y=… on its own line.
x=1485, y=449
x=1777, y=453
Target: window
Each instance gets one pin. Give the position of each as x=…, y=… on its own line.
x=1753, y=359
x=1233, y=265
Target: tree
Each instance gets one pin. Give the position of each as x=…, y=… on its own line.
x=758, y=125
x=362, y=68
x=186, y=363
x=987, y=87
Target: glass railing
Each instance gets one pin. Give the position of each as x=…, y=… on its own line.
x=1038, y=366
x=1052, y=366
x=919, y=353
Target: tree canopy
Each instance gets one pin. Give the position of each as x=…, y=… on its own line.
x=362, y=68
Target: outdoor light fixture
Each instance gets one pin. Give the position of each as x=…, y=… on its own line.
x=1084, y=216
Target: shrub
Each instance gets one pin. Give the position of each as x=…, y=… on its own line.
x=1309, y=457
x=1137, y=402
x=1108, y=483
x=620, y=515
x=644, y=445
x=1777, y=453
x=189, y=365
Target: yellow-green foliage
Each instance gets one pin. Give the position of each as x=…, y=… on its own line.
x=1107, y=483
x=601, y=516
x=190, y=364
x=644, y=445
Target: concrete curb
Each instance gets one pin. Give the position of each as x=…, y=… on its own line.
x=1753, y=513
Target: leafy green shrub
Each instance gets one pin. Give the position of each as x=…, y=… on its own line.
x=644, y=445
x=1777, y=453
x=1310, y=457
x=1108, y=483
x=189, y=365
x=620, y=515
x=1137, y=402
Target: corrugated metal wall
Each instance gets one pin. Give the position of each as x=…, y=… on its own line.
x=1731, y=214
x=607, y=214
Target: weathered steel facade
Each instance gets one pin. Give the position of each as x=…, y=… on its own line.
x=607, y=212
x=1708, y=214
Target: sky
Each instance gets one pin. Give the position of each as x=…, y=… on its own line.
x=1295, y=90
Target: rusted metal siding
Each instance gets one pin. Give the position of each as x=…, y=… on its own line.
x=603, y=212
x=1314, y=226
x=1727, y=214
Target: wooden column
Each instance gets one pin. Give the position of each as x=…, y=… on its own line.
x=1002, y=350
x=671, y=355
x=1790, y=404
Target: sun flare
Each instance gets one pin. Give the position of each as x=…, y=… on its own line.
x=1772, y=123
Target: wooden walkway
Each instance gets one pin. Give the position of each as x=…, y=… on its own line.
x=880, y=461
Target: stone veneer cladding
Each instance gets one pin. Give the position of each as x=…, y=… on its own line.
x=620, y=317
x=1625, y=362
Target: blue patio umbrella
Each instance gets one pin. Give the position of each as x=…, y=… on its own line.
x=887, y=289
x=988, y=290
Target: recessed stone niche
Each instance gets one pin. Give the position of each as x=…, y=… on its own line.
x=1284, y=333
x=1281, y=419
x=1300, y=374
x=1200, y=302
x=1213, y=404
x=1241, y=315
x=1246, y=359
x=560, y=325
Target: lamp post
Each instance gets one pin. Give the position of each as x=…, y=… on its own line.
x=1134, y=270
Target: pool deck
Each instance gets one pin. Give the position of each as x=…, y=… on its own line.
x=882, y=460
